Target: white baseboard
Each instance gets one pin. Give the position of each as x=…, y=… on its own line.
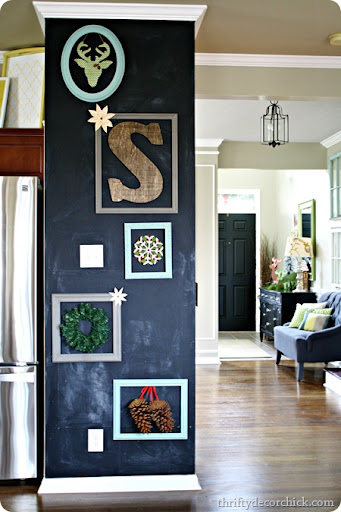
x=207, y=360
x=207, y=357
x=109, y=484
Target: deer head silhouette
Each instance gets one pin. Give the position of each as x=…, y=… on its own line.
x=93, y=68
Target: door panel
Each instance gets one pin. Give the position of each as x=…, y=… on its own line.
x=222, y=295
x=239, y=301
x=237, y=269
x=239, y=257
x=221, y=257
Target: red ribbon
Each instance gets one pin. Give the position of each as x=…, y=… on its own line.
x=149, y=391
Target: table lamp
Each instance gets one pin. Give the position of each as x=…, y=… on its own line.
x=299, y=247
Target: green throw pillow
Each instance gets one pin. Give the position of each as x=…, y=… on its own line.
x=314, y=321
x=301, y=309
x=297, y=319
x=322, y=311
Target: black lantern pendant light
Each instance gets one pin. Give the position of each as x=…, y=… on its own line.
x=274, y=126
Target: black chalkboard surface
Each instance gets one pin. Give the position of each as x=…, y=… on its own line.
x=158, y=319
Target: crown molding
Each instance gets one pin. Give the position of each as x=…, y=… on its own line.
x=208, y=143
x=332, y=140
x=102, y=10
x=264, y=61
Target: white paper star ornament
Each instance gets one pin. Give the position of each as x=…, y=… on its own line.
x=118, y=296
x=101, y=118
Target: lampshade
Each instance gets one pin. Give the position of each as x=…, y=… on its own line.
x=274, y=126
x=300, y=247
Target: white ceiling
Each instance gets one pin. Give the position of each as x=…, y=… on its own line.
x=239, y=120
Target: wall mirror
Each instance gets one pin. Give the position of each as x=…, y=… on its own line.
x=307, y=228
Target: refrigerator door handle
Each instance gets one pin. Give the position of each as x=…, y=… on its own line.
x=17, y=377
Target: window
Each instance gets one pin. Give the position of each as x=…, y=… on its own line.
x=236, y=201
x=336, y=256
x=335, y=185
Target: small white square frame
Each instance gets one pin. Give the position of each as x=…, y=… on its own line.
x=58, y=356
x=91, y=256
x=140, y=383
x=128, y=250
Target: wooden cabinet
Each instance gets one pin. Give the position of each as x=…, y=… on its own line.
x=277, y=308
x=22, y=152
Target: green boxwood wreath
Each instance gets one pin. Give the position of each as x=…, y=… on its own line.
x=78, y=340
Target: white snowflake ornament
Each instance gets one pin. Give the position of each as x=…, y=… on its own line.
x=148, y=250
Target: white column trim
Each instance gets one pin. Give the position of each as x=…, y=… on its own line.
x=208, y=356
x=208, y=143
x=112, y=484
x=129, y=11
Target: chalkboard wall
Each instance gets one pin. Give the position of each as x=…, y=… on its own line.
x=158, y=328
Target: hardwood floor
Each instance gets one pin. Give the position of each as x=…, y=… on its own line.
x=260, y=436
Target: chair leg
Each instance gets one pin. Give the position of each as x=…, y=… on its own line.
x=278, y=358
x=300, y=372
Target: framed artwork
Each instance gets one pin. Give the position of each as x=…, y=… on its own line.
x=4, y=87
x=136, y=167
x=25, y=106
x=148, y=250
x=71, y=304
x=92, y=79
x=175, y=391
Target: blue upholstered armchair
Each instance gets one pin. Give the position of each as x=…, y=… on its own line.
x=312, y=347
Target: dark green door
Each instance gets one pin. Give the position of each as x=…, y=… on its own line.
x=237, y=272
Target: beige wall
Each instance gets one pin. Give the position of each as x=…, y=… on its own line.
x=253, y=155
x=280, y=193
x=252, y=82
x=298, y=186
x=263, y=180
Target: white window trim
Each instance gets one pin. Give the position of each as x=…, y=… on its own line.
x=335, y=227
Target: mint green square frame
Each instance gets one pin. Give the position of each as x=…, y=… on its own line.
x=148, y=226
x=132, y=436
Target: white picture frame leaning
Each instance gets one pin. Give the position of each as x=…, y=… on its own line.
x=26, y=69
x=58, y=356
x=4, y=88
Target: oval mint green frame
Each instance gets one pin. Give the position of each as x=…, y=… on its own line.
x=65, y=68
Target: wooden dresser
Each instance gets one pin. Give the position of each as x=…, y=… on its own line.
x=22, y=152
x=277, y=308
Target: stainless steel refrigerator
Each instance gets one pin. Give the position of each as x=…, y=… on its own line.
x=18, y=327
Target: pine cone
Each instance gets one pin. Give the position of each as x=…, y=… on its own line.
x=162, y=415
x=139, y=409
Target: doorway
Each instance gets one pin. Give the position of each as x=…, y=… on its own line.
x=237, y=272
x=238, y=301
